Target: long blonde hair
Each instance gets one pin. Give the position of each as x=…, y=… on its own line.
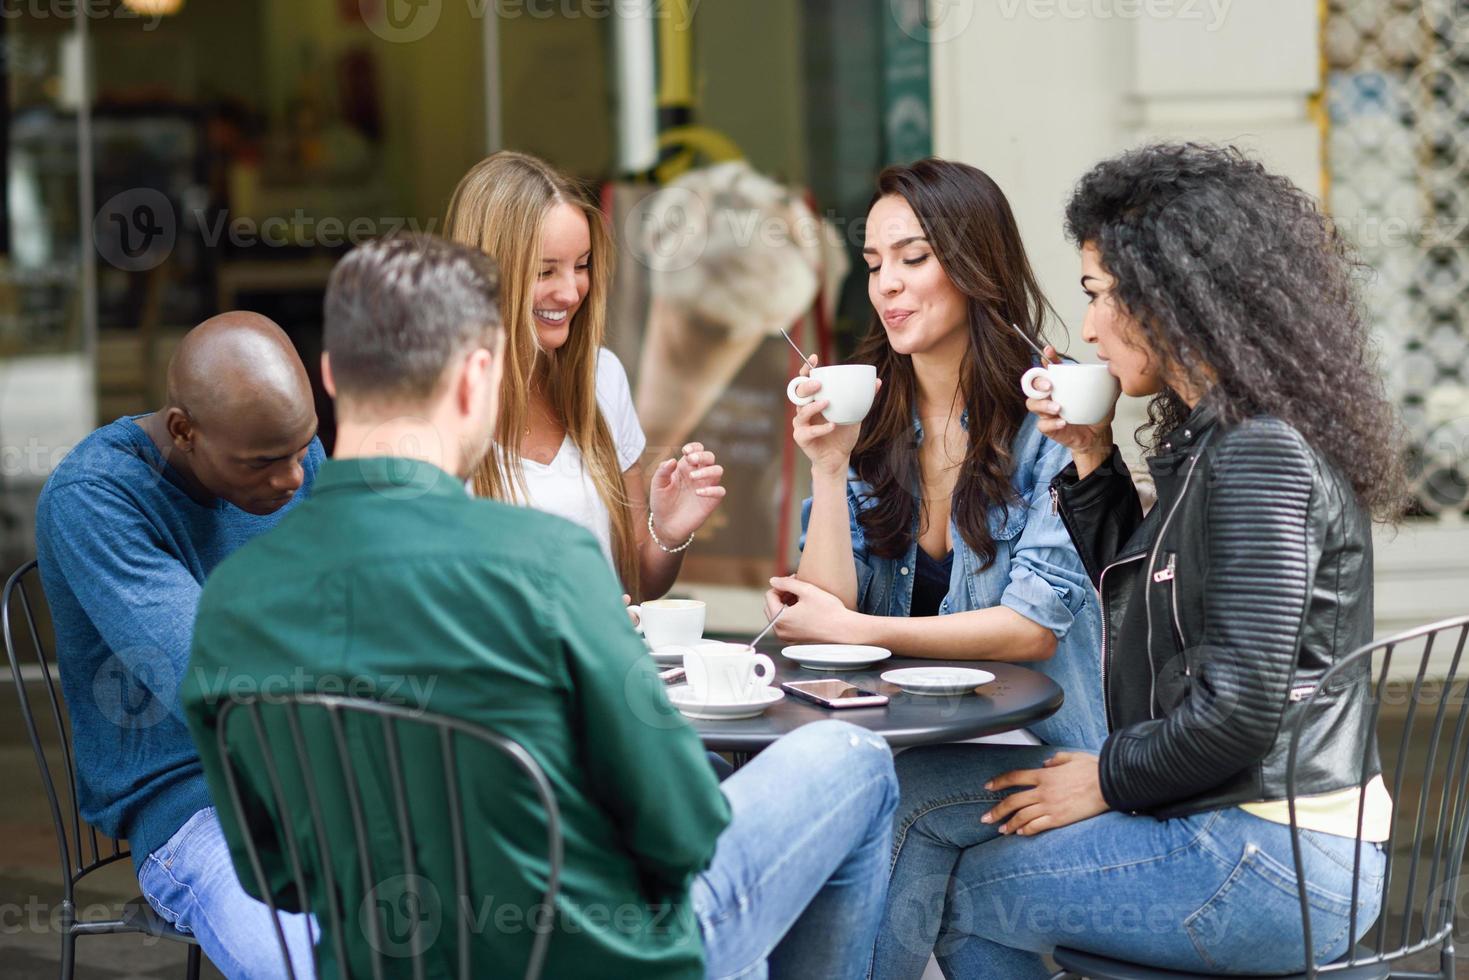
x=500, y=207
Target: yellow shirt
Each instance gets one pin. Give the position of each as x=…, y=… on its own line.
x=1335, y=812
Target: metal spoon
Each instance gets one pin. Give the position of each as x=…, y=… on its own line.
x=1026, y=337
x=761, y=635
x=796, y=349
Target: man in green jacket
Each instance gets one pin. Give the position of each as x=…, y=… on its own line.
x=391, y=582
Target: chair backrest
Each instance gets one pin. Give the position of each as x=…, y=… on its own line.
x=1425, y=851
x=82, y=850
x=316, y=735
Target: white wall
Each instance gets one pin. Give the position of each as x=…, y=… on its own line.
x=1035, y=92
x=1034, y=101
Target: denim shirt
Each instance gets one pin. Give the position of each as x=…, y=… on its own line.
x=1036, y=572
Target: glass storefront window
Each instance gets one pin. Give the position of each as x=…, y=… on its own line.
x=1399, y=167
x=238, y=149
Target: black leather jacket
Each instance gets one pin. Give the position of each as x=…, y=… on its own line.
x=1220, y=610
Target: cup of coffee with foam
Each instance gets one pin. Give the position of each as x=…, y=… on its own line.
x=670, y=622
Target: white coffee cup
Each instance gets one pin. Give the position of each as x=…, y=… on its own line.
x=670, y=622
x=1085, y=392
x=848, y=387
x=726, y=673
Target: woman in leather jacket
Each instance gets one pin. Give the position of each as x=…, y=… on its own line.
x=1220, y=291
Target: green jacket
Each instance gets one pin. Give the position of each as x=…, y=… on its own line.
x=392, y=583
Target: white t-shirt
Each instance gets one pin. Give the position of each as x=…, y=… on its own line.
x=564, y=486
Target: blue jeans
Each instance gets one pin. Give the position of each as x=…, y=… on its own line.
x=1214, y=892
x=191, y=882
x=722, y=770
x=796, y=885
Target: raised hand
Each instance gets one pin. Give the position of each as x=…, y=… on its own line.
x=1091, y=441
x=684, y=492
x=828, y=445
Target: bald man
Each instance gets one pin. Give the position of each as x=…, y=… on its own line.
x=128, y=527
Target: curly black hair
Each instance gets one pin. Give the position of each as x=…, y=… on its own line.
x=1240, y=283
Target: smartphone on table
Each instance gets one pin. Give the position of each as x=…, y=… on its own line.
x=835, y=694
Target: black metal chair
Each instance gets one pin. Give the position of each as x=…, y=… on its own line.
x=311, y=733
x=1436, y=818
x=82, y=850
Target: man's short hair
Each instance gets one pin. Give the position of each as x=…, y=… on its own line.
x=399, y=309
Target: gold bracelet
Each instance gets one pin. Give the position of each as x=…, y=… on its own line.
x=660, y=544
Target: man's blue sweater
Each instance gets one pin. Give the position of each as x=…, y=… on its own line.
x=123, y=554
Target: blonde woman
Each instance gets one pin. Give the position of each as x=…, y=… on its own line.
x=567, y=439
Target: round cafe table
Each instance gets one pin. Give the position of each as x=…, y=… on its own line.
x=1016, y=698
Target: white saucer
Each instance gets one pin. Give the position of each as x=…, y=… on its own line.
x=938, y=680
x=835, y=656
x=672, y=654
x=683, y=699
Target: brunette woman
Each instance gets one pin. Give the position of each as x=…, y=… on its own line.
x=930, y=530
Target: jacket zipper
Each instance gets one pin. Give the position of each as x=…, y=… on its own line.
x=1172, y=571
x=1102, y=597
x=1148, y=592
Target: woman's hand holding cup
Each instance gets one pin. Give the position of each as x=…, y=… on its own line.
x=1090, y=445
x=826, y=443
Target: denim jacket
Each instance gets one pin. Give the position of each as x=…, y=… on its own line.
x=1036, y=572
